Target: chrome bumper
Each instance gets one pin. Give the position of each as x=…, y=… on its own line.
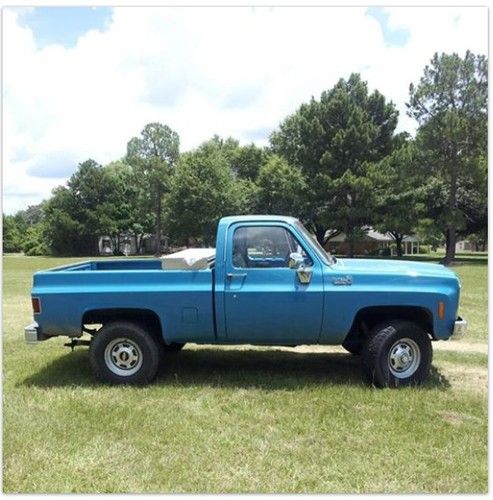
x=460, y=328
x=32, y=335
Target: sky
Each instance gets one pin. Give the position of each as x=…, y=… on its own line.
x=80, y=82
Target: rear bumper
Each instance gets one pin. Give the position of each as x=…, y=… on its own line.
x=32, y=335
x=460, y=328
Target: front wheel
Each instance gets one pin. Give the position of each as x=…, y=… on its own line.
x=397, y=354
x=124, y=353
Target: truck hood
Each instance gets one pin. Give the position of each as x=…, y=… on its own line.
x=401, y=267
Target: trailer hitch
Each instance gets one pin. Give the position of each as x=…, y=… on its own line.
x=77, y=342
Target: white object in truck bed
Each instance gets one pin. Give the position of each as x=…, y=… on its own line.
x=190, y=258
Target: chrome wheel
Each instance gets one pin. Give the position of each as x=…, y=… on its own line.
x=123, y=357
x=404, y=358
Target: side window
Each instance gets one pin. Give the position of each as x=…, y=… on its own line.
x=264, y=246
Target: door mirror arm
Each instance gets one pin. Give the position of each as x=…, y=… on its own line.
x=296, y=261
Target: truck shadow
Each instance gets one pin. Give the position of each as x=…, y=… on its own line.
x=241, y=368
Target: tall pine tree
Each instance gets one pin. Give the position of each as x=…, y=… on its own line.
x=334, y=141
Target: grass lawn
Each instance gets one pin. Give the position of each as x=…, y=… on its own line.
x=241, y=419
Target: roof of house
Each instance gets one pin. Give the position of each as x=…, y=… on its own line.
x=373, y=235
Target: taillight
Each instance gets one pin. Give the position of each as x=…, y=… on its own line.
x=36, y=305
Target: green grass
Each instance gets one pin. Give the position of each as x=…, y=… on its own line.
x=240, y=419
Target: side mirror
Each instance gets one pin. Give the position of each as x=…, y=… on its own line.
x=296, y=260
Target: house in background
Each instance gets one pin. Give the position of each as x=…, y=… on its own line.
x=128, y=245
x=371, y=242
x=471, y=246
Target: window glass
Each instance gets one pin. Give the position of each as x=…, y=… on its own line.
x=321, y=252
x=265, y=246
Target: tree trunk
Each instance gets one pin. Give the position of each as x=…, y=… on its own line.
x=350, y=241
x=450, y=245
x=320, y=234
x=452, y=206
x=398, y=244
x=138, y=243
x=158, y=224
x=95, y=245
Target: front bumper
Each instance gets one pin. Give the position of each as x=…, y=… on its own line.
x=460, y=328
x=32, y=335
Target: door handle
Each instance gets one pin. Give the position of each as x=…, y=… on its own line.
x=235, y=275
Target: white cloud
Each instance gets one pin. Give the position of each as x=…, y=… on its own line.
x=230, y=71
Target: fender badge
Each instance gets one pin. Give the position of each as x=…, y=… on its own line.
x=346, y=280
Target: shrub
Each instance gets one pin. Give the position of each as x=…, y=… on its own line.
x=34, y=242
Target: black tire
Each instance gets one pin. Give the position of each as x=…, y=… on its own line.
x=173, y=347
x=353, y=346
x=124, y=353
x=397, y=353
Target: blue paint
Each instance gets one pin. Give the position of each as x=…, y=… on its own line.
x=227, y=304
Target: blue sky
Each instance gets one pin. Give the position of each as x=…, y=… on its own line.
x=80, y=82
x=392, y=36
x=64, y=25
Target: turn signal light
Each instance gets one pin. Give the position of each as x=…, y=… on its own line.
x=441, y=310
x=36, y=305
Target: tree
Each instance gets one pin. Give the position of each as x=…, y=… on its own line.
x=64, y=232
x=400, y=197
x=450, y=105
x=333, y=142
x=78, y=214
x=281, y=188
x=34, y=241
x=248, y=160
x=244, y=161
x=128, y=209
x=73, y=226
x=203, y=190
x=153, y=155
x=12, y=235
x=24, y=231
x=429, y=233
x=472, y=201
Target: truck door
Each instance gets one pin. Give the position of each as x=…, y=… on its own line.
x=264, y=299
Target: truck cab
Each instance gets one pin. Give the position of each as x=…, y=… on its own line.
x=267, y=282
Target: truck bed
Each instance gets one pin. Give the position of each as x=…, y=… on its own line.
x=110, y=265
x=182, y=299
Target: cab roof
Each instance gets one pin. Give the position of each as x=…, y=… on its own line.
x=257, y=218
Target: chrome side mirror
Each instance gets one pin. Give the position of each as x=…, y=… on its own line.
x=295, y=261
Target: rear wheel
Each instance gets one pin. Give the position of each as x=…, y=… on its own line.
x=398, y=353
x=124, y=353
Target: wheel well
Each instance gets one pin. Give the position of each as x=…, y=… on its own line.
x=369, y=317
x=146, y=318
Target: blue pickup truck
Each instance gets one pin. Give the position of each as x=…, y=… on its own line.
x=268, y=282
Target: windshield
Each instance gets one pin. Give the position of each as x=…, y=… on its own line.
x=325, y=256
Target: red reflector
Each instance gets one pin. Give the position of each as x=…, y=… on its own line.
x=36, y=305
